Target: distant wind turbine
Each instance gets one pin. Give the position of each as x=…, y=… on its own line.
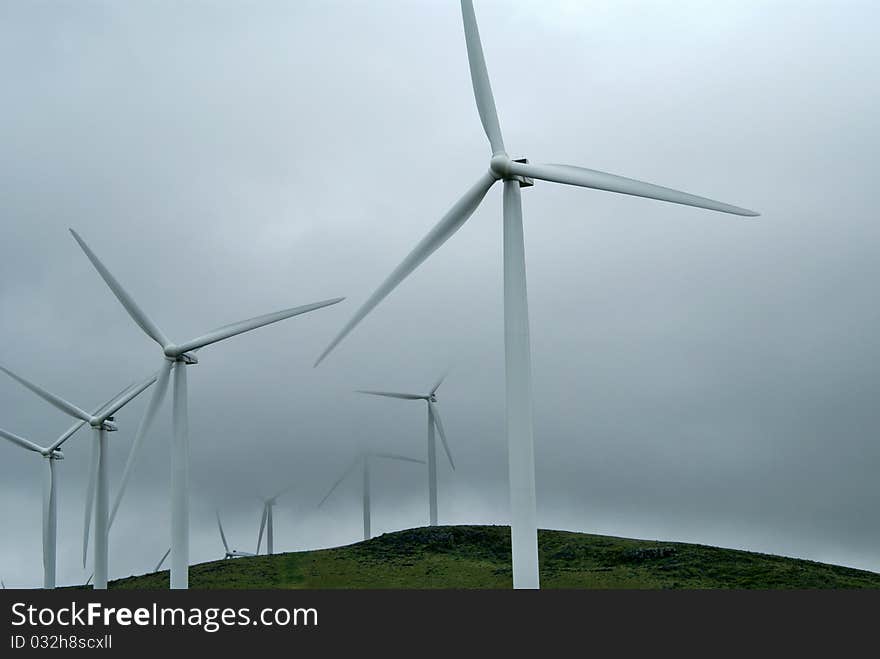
x=433, y=421
x=363, y=459
x=515, y=174
x=230, y=553
x=102, y=422
x=178, y=356
x=267, y=522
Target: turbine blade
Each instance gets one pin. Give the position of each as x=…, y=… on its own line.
x=439, y=382
x=251, y=324
x=395, y=456
x=164, y=556
x=143, y=428
x=56, y=401
x=97, y=412
x=590, y=178
x=341, y=478
x=222, y=535
x=90, y=499
x=22, y=442
x=262, y=527
x=126, y=397
x=439, y=424
x=390, y=394
x=70, y=432
x=442, y=231
x=480, y=78
x=137, y=314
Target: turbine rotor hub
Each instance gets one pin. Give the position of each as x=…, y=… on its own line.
x=499, y=165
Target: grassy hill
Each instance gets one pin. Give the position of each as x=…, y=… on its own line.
x=479, y=557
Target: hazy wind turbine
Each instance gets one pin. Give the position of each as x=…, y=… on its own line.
x=102, y=422
x=363, y=459
x=230, y=553
x=178, y=355
x=433, y=421
x=267, y=523
x=514, y=174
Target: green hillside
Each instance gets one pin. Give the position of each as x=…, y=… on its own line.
x=479, y=557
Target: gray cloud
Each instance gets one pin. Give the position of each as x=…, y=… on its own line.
x=697, y=377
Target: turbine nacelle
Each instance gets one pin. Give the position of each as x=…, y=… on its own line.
x=103, y=424
x=54, y=455
x=174, y=353
x=499, y=166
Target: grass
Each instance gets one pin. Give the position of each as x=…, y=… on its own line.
x=479, y=557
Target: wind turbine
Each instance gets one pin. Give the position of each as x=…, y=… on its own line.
x=514, y=174
x=231, y=553
x=433, y=421
x=179, y=356
x=50, y=502
x=363, y=459
x=267, y=523
x=102, y=422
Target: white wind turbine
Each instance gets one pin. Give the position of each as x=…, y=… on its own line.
x=51, y=453
x=102, y=422
x=267, y=522
x=230, y=553
x=433, y=421
x=178, y=355
x=363, y=459
x=50, y=505
x=514, y=174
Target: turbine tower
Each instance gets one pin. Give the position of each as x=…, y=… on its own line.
x=178, y=356
x=102, y=422
x=363, y=459
x=433, y=421
x=515, y=174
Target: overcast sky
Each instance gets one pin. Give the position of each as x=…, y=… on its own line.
x=697, y=377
